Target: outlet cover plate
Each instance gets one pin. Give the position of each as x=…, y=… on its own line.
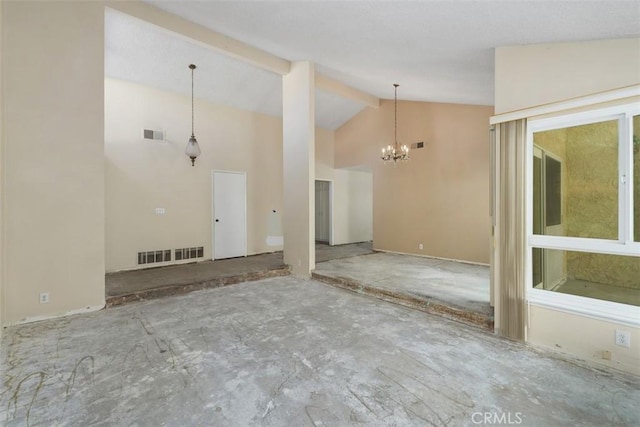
x=623, y=338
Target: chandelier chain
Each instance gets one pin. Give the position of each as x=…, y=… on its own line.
x=395, y=115
x=395, y=152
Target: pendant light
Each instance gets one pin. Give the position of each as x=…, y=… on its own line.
x=396, y=151
x=193, y=149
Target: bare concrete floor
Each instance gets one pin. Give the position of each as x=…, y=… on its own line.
x=461, y=288
x=325, y=252
x=136, y=280
x=135, y=285
x=287, y=352
x=161, y=281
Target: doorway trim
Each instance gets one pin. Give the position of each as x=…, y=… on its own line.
x=330, y=181
x=213, y=211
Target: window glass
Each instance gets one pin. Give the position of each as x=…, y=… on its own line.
x=607, y=277
x=577, y=190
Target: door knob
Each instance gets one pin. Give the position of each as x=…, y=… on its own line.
x=217, y=220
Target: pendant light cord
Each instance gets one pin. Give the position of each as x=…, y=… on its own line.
x=192, y=67
x=192, y=133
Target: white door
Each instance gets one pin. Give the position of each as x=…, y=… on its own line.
x=229, y=214
x=323, y=211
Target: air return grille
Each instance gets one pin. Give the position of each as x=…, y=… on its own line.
x=188, y=253
x=153, y=134
x=151, y=257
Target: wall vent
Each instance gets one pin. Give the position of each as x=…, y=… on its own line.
x=416, y=145
x=151, y=257
x=153, y=134
x=189, y=253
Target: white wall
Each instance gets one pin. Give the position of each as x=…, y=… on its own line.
x=353, y=206
x=142, y=175
x=53, y=164
x=527, y=76
x=352, y=194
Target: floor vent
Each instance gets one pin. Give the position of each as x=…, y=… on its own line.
x=188, y=253
x=153, y=134
x=151, y=257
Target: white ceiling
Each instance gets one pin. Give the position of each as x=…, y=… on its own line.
x=437, y=50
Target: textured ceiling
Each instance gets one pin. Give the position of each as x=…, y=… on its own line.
x=438, y=51
x=142, y=53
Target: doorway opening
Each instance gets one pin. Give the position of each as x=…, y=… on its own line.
x=324, y=212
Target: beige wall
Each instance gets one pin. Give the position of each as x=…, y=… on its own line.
x=142, y=175
x=440, y=198
x=2, y=168
x=527, y=76
x=52, y=59
x=298, y=141
x=583, y=337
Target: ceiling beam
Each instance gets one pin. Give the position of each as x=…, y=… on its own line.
x=203, y=35
x=341, y=89
x=231, y=47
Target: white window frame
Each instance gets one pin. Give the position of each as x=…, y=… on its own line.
x=624, y=245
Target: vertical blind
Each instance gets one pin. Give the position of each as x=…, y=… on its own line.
x=509, y=232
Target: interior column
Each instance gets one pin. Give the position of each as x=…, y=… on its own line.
x=298, y=131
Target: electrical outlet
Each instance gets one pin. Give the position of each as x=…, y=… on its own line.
x=606, y=355
x=421, y=246
x=44, y=298
x=623, y=338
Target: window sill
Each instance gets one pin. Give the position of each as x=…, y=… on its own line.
x=624, y=314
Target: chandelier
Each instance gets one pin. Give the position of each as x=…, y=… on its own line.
x=193, y=149
x=396, y=151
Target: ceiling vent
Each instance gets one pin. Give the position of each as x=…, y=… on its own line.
x=158, y=135
x=416, y=145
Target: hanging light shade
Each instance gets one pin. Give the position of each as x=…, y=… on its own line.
x=396, y=151
x=193, y=149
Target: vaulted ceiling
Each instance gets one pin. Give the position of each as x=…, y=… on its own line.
x=439, y=51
